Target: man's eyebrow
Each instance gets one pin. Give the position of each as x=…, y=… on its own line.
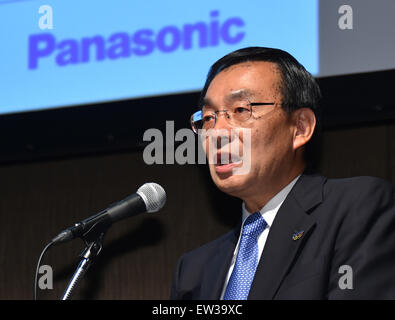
x=241, y=94
x=205, y=102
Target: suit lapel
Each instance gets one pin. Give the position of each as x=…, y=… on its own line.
x=280, y=248
x=217, y=268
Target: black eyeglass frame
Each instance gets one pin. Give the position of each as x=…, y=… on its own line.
x=215, y=113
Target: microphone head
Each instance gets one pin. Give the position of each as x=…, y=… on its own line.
x=153, y=195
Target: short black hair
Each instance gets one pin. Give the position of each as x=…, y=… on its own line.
x=298, y=87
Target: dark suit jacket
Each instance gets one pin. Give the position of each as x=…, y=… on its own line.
x=345, y=222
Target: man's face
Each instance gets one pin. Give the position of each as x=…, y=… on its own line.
x=270, y=127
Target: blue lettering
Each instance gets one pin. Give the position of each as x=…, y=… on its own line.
x=86, y=44
x=141, y=43
x=143, y=39
x=189, y=29
x=175, y=39
x=35, y=52
x=214, y=29
x=69, y=53
x=120, y=46
x=226, y=34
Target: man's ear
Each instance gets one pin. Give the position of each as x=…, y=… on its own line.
x=305, y=122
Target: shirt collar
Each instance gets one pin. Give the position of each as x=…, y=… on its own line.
x=269, y=211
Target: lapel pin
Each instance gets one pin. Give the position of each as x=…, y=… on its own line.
x=297, y=235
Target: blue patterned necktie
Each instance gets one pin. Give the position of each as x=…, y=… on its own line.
x=247, y=259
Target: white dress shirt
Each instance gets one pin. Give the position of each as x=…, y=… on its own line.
x=268, y=212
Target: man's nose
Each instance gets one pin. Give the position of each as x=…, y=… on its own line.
x=222, y=130
x=222, y=120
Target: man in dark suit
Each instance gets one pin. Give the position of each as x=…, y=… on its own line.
x=301, y=236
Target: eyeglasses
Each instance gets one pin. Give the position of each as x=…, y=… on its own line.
x=235, y=115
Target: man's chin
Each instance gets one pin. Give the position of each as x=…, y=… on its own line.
x=230, y=183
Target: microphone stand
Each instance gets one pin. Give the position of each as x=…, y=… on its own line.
x=94, y=244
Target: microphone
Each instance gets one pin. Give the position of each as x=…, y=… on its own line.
x=150, y=197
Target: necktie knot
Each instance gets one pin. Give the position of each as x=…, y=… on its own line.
x=254, y=224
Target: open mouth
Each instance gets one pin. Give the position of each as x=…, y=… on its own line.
x=225, y=162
